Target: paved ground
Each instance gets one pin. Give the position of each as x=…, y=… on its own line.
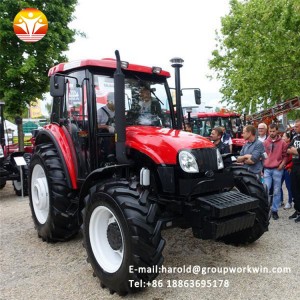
x=31, y=269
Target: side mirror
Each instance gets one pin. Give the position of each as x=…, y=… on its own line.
x=197, y=96
x=57, y=86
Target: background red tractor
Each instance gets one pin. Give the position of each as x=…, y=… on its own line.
x=9, y=171
x=123, y=188
x=203, y=122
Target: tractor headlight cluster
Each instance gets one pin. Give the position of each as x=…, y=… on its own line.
x=188, y=162
x=219, y=160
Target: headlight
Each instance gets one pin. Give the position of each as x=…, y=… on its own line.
x=219, y=160
x=188, y=162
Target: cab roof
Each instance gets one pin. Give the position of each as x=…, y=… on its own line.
x=103, y=63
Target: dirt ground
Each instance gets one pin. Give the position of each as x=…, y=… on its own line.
x=32, y=269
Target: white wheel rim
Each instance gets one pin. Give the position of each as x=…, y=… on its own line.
x=109, y=259
x=40, y=194
x=17, y=185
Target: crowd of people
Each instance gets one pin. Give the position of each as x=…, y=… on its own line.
x=273, y=159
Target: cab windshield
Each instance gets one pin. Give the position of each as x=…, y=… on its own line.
x=204, y=126
x=146, y=102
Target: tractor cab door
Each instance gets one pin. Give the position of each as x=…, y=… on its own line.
x=76, y=117
x=105, y=119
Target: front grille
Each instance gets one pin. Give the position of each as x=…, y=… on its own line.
x=206, y=159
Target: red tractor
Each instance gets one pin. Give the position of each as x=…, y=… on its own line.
x=203, y=122
x=123, y=188
x=9, y=170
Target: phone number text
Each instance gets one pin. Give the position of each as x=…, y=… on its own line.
x=179, y=283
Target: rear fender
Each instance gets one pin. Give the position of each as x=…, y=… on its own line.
x=61, y=139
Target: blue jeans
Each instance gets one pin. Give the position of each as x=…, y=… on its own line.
x=287, y=178
x=274, y=176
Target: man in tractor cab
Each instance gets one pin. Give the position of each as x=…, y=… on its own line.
x=148, y=109
x=147, y=103
x=106, y=115
x=106, y=122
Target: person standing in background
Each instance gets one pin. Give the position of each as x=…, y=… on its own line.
x=216, y=136
x=274, y=165
x=226, y=139
x=252, y=152
x=294, y=149
x=262, y=132
x=286, y=174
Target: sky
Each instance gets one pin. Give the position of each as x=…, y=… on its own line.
x=151, y=33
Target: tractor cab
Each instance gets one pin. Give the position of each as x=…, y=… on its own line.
x=86, y=105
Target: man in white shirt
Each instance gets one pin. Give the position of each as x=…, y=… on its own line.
x=262, y=132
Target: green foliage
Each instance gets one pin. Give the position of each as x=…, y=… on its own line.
x=257, y=56
x=24, y=66
x=294, y=115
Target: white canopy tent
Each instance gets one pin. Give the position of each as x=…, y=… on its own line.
x=10, y=126
x=10, y=130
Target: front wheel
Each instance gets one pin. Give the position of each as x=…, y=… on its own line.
x=248, y=184
x=119, y=238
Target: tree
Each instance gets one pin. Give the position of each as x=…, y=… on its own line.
x=257, y=56
x=24, y=66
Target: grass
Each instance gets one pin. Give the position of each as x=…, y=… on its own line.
x=26, y=140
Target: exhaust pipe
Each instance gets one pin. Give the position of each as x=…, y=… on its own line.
x=120, y=123
x=177, y=63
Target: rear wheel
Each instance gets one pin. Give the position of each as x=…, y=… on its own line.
x=120, y=236
x=49, y=196
x=248, y=184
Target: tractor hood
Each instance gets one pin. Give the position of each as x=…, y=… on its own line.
x=163, y=144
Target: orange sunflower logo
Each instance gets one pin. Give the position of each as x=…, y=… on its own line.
x=30, y=25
